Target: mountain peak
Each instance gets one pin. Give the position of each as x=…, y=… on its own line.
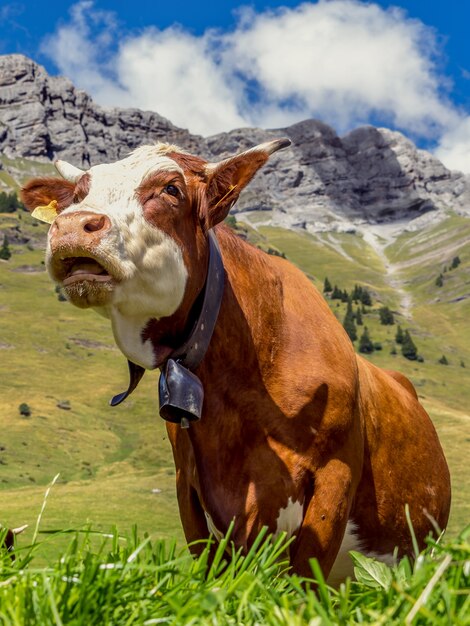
x=324, y=182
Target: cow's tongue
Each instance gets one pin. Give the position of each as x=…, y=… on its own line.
x=86, y=267
x=89, y=269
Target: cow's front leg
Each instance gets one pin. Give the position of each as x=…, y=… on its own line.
x=325, y=519
x=192, y=514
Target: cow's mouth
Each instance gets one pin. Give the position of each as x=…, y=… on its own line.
x=79, y=269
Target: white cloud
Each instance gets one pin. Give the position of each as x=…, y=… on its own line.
x=454, y=146
x=344, y=61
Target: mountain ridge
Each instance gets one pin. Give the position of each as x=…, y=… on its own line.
x=323, y=183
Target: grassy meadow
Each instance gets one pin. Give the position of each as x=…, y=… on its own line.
x=115, y=465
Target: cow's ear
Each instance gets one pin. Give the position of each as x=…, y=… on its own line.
x=42, y=191
x=226, y=179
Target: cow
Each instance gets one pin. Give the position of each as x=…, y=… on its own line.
x=273, y=418
x=7, y=538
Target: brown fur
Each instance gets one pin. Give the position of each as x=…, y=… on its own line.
x=290, y=411
x=41, y=191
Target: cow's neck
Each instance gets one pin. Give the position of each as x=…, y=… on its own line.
x=244, y=347
x=129, y=335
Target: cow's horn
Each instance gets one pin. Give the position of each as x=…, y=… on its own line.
x=268, y=147
x=20, y=529
x=272, y=146
x=68, y=171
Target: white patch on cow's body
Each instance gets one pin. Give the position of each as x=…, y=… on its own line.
x=290, y=518
x=149, y=263
x=127, y=333
x=343, y=565
x=211, y=527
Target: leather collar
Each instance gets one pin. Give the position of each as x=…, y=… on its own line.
x=180, y=391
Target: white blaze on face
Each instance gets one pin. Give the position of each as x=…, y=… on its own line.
x=149, y=262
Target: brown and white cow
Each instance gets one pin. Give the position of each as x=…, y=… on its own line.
x=298, y=433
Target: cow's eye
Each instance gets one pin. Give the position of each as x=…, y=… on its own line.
x=172, y=190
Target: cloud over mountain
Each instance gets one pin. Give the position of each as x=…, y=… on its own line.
x=344, y=61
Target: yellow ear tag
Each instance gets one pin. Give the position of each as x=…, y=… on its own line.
x=46, y=213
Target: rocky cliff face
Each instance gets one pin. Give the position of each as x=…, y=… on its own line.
x=371, y=175
x=46, y=117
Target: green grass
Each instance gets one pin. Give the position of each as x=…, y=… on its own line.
x=15, y=172
x=124, y=579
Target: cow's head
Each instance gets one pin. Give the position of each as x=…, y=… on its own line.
x=130, y=238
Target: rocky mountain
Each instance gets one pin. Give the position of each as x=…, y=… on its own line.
x=324, y=182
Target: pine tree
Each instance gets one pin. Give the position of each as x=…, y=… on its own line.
x=399, y=335
x=386, y=316
x=408, y=348
x=345, y=296
x=365, y=343
x=327, y=288
x=365, y=297
x=358, y=317
x=348, y=323
x=443, y=360
x=337, y=293
x=439, y=281
x=356, y=294
x=455, y=262
x=5, y=253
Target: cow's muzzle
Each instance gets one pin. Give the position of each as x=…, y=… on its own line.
x=76, y=259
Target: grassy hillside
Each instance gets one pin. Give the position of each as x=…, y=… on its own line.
x=115, y=464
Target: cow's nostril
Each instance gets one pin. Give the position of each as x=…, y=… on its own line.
x=92, y=225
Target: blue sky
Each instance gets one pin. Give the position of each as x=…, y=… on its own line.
x=209, y=68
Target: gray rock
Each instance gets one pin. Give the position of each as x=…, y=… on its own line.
x=323, y=182
x=46, y=117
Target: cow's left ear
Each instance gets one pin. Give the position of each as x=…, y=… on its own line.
x=226, y=179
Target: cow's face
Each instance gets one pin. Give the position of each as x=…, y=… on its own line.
x=129, y=238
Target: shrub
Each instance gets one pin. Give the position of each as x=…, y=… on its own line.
x=275, y=252
x=443, y=360
x=439, y=281
x=455, y=263
x=60, y=294
x=5, y=252
x=24, y=409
